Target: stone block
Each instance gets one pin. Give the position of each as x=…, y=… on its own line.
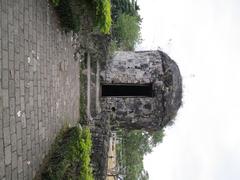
x=14, y=141
x=22, y=103
x=11, y=70
x=6, y=135
x=22, y=87
x=2, y=168
x=20, y=164
x=17, y=79
x=1, y=150
x=5, y=78
x=14, y=160
x=8, y=172
x=21, y=65
x=4, y=59
x=4, y=37
x=5, y=98
x=19, y=130
x=24, y=136
x=11, y=50
x=11, y=33
x=14, y=174
x=17, y=95
x=21, y=177
x=12, y=124
x=19, y=147
x=6, y=122
x=12, y=106
x=11, y=88
x=8, y=155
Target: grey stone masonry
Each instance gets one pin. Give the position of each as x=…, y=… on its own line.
x=155, y=71
x=39, y=85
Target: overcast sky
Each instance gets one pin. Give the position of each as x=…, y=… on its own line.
x=203, y=37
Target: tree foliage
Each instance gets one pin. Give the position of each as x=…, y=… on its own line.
x=124, y=7
x=136, y=144
x=127, y=31
x=126, y=23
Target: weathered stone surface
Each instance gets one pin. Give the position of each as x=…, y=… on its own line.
x=100, y=139
x=143, y=67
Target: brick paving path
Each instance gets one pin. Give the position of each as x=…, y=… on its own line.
x=39, y=85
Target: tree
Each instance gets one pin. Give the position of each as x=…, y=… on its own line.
x=124, y=7
x=156, y=138
x=126, y=31
x=136, y=144
x=126, y=24
x=144, y=175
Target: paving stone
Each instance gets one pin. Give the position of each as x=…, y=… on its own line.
x=12, y=106
x=11, y=88
x=4, y=39
x=12, y=124
x=1, y=118
x=10, y=33
x=28, y=142
x=21, y=65
x=8, y=172
x=18, y=112
x=17, y=79
x=32, y=89
x=10, y=14
x=1, y=150
x=6, y=135
x=0, y=64
x=20, y=176
x=11, y=70
x=6, y=122
x=20, y=164
x=19, y=130
x=11, y=47
x=17, y=95
x=24, y=148
x=22, y=103
x=14, y=160
x=22, y=87
x=17, y=56
x=14, y=174
x=4, y=59
x=5, y=98
x=24, y=136
x=4, y=79
x=8, y=154
x=2, y=168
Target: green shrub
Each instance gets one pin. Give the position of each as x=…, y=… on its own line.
x=55, y=2
x=70, y=157
x=103, y=13
x=68, y=19
x=69, y=12
x=86, y=146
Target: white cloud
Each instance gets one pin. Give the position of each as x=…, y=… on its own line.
x=204, y=144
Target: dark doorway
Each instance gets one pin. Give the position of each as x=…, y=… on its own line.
x=133, y=90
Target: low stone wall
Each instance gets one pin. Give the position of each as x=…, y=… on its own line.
x=100, y=138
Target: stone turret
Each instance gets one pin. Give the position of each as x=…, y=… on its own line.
x=141, y=90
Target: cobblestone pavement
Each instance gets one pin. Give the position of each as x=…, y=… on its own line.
x=39, y=85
